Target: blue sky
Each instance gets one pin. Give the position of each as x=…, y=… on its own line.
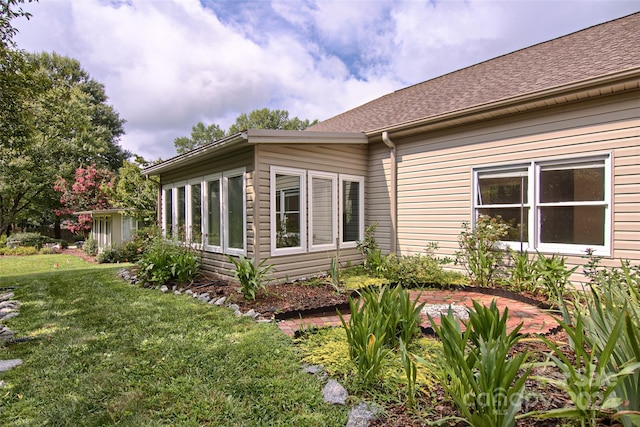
x=167, y=64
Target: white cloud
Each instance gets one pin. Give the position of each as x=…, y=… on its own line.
x=168, y=64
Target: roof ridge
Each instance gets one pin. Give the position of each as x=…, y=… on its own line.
x=512, y=53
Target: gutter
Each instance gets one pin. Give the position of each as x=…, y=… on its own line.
x=394, y=190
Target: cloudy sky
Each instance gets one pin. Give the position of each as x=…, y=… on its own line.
x=168, y=64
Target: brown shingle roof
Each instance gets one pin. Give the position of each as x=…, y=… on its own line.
x=596, y=51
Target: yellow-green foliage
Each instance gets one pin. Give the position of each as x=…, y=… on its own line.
x=20, y=250
x=358, y=282
x=329, y=348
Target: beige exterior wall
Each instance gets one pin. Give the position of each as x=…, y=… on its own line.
x=435, y=170
x=218, y=263
x=332, y=158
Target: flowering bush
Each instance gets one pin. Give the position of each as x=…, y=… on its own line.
x=88, y=192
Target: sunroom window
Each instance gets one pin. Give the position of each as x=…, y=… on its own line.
x=213, y=227
x=351, y=210
x=551, y=206
x=322, y=211
x=235, y=215
x=287, y=207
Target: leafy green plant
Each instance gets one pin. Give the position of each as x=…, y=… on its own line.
x=35, y=240
x=480, y=374
x=19, y=251
x=523, y=272
x=379, y=321
x=588, y=381
x=164, y=260
x=553, y=276
x=614, y=294
x=334, y=274
x=411, y=372
x=252, y=277
x=90, y=246
x=419, y=270
x=368, y=246
x=481, y=251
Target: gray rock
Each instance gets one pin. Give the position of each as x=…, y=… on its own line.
x=313, y=369
x=234, y=307
x=334, y=393
x=220, y=301
x=5, y=365
x=362, y=414
x=204, y=297
x=188, y=292
x=9, y=304
x=250, y=313
x=9, y=315
x=164, y=289
x=6, y=310
x=7, y=296
x=178, y=292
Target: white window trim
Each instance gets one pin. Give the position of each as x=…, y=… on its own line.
x=225, y=209
x=342, y=179
x=134, y=227
x=189, y=212
x=301, y=173
x=533, y=170
x=174, y=205
x=334, y=211
x=205, y=213
x=167, y=217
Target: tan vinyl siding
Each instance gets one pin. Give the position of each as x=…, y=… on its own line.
x=334, y=158
x=377, y=196
x=435, y=172
x=217, y=263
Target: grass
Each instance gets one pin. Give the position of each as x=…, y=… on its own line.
x=105, y=352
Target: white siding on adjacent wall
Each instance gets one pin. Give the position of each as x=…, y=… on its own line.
x=435, y=171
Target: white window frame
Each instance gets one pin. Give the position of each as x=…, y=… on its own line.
x=167, y=217
x=577, y=249
x=174, y=195
x=205, y=214
x=225, y=210
x=352, y=178
x=508, y=170
x=534, y=223
x=334, y=211
x=189, y=212
x=301, y=174
x=134, y=227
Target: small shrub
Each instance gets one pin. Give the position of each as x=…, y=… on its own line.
x=373, y=261
x=36, y=240
x=553, y=276
x=164, y=260
x=419, y=270
x=480, y=251
x=481, y=375
x=90, y=247
x=252, y=277
x=19, y=251
x=524, y=275
x=3, y=240
x=108, y=255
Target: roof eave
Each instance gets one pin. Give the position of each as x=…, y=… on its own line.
x=630, y=79
x=277, y=136
x=194, y=155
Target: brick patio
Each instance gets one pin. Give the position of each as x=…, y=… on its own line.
x=535, y=320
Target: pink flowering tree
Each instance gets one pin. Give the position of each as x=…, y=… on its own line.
x=88, y=192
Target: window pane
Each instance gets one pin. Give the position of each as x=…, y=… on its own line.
x=196, y=213
x=502, y=190
x=570, y=185
x=572, y=225
x=180, y=214
x=287, y=211
x=213, y=215
x=322, y=211
x=511, y=216
x=351, y=211
x=235, y=204
x=168, y=212
x=128, y=228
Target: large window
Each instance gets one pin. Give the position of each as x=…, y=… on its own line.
x=288, y=210
x=551, y=206
x=335, y=210
x=234, y=213
x=351, y=210
x=209, y=211
x=322, y=211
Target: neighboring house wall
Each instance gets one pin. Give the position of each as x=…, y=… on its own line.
x=335, y=160
x=436, y=171
x=210, y=168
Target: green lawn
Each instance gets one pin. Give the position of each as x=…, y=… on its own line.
x=105, y=352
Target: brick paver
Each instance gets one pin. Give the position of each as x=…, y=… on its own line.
x=535, y=320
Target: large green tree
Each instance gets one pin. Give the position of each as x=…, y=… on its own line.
x=65, y=123
x=257, y=119
x=135, y=192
